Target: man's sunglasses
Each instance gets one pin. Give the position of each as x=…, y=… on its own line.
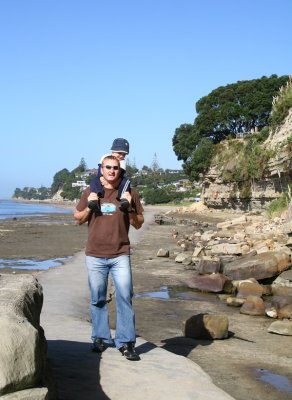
x=115, y=167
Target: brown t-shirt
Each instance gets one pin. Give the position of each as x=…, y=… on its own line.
x=108, y=233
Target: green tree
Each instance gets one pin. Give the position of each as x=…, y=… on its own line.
x=82, y=167
x=185, y=141
x=200, y=159
x=69, y=192
x=155, y=196
x=237, y=108
x=59, y=180
x=228, y=111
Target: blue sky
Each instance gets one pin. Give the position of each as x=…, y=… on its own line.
x=77, y=74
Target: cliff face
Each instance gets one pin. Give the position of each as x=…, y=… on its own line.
x=220, y=193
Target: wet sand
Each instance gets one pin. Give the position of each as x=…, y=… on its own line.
x=237, y=365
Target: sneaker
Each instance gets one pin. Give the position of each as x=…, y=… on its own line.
x=128, y=350
x=98, y=346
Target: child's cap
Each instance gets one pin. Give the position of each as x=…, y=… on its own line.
x=121, y=145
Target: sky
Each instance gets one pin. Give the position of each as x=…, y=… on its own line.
x=76, y=74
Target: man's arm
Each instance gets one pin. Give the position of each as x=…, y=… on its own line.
x=136, y=220
x=82, y=216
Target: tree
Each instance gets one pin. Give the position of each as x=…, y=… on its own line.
x=200, y=160
x=59, y=180
x=184, y=141
x=155, y=196
x=155, y=164
x=227, y=111
x=82, y=167
x=237, y=108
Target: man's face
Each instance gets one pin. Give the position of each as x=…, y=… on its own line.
x=119, y=155
x=110, y=170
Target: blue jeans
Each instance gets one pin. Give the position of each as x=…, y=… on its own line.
x=98, y=272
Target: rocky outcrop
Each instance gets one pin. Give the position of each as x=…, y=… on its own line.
x=246, y=261
x=22, y=341
x=219, y=193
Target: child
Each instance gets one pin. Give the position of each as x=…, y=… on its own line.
x=120, y=148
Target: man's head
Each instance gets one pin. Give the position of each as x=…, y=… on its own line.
x=120, y=148
x=110, y=169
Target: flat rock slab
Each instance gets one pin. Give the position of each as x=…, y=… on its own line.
x=260, y=266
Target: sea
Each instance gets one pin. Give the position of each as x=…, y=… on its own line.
x=16, y=209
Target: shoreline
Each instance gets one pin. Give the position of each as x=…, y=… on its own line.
x=231, y=363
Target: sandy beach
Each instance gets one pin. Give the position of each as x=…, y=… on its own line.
x=237, y=365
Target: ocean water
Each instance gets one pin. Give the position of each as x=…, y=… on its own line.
x=16, y=209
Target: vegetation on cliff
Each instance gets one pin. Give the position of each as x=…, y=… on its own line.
x=231, y=111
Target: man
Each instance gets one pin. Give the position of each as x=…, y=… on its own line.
x=108, y=251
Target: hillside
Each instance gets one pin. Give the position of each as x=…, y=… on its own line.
x=248, y=176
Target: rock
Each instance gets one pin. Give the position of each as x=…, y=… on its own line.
x=282, y=286
x=230, y=248
x=287, y=275
x=236, y=283
x=285, y=312
x=208, y=265
x=250, y=288
x=260, y=266
x=281, y=290
x=208, y=283
x=198, y=250
x=235, y=301
x=281, y=301
x=236, y=221
x=253, y=305
x=187, y=261
x=28, y=394
x=281, y=328
x=206, y=236
x=22, y=342
x=206, y=327
x=271, y=312
x=162, y=253
x=181, y=257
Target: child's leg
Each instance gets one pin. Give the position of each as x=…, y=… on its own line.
x=96, y=186
x=124, y=186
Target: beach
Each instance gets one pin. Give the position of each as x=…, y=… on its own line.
x=237, y=365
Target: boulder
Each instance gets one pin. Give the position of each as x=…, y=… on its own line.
x=208, y=283
x=282, y=285
x=235, y=301
x=281, y=301
x=22, y=341
x=28, y=394
x=230, y=248
x=206, y=327
x=253, y=305
x=260, y=266
x=162, y=253
x=181, y=257
x=242, y=220
x=250, y=288
x=285, y=312
x=208, y=265
x=281, y=328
